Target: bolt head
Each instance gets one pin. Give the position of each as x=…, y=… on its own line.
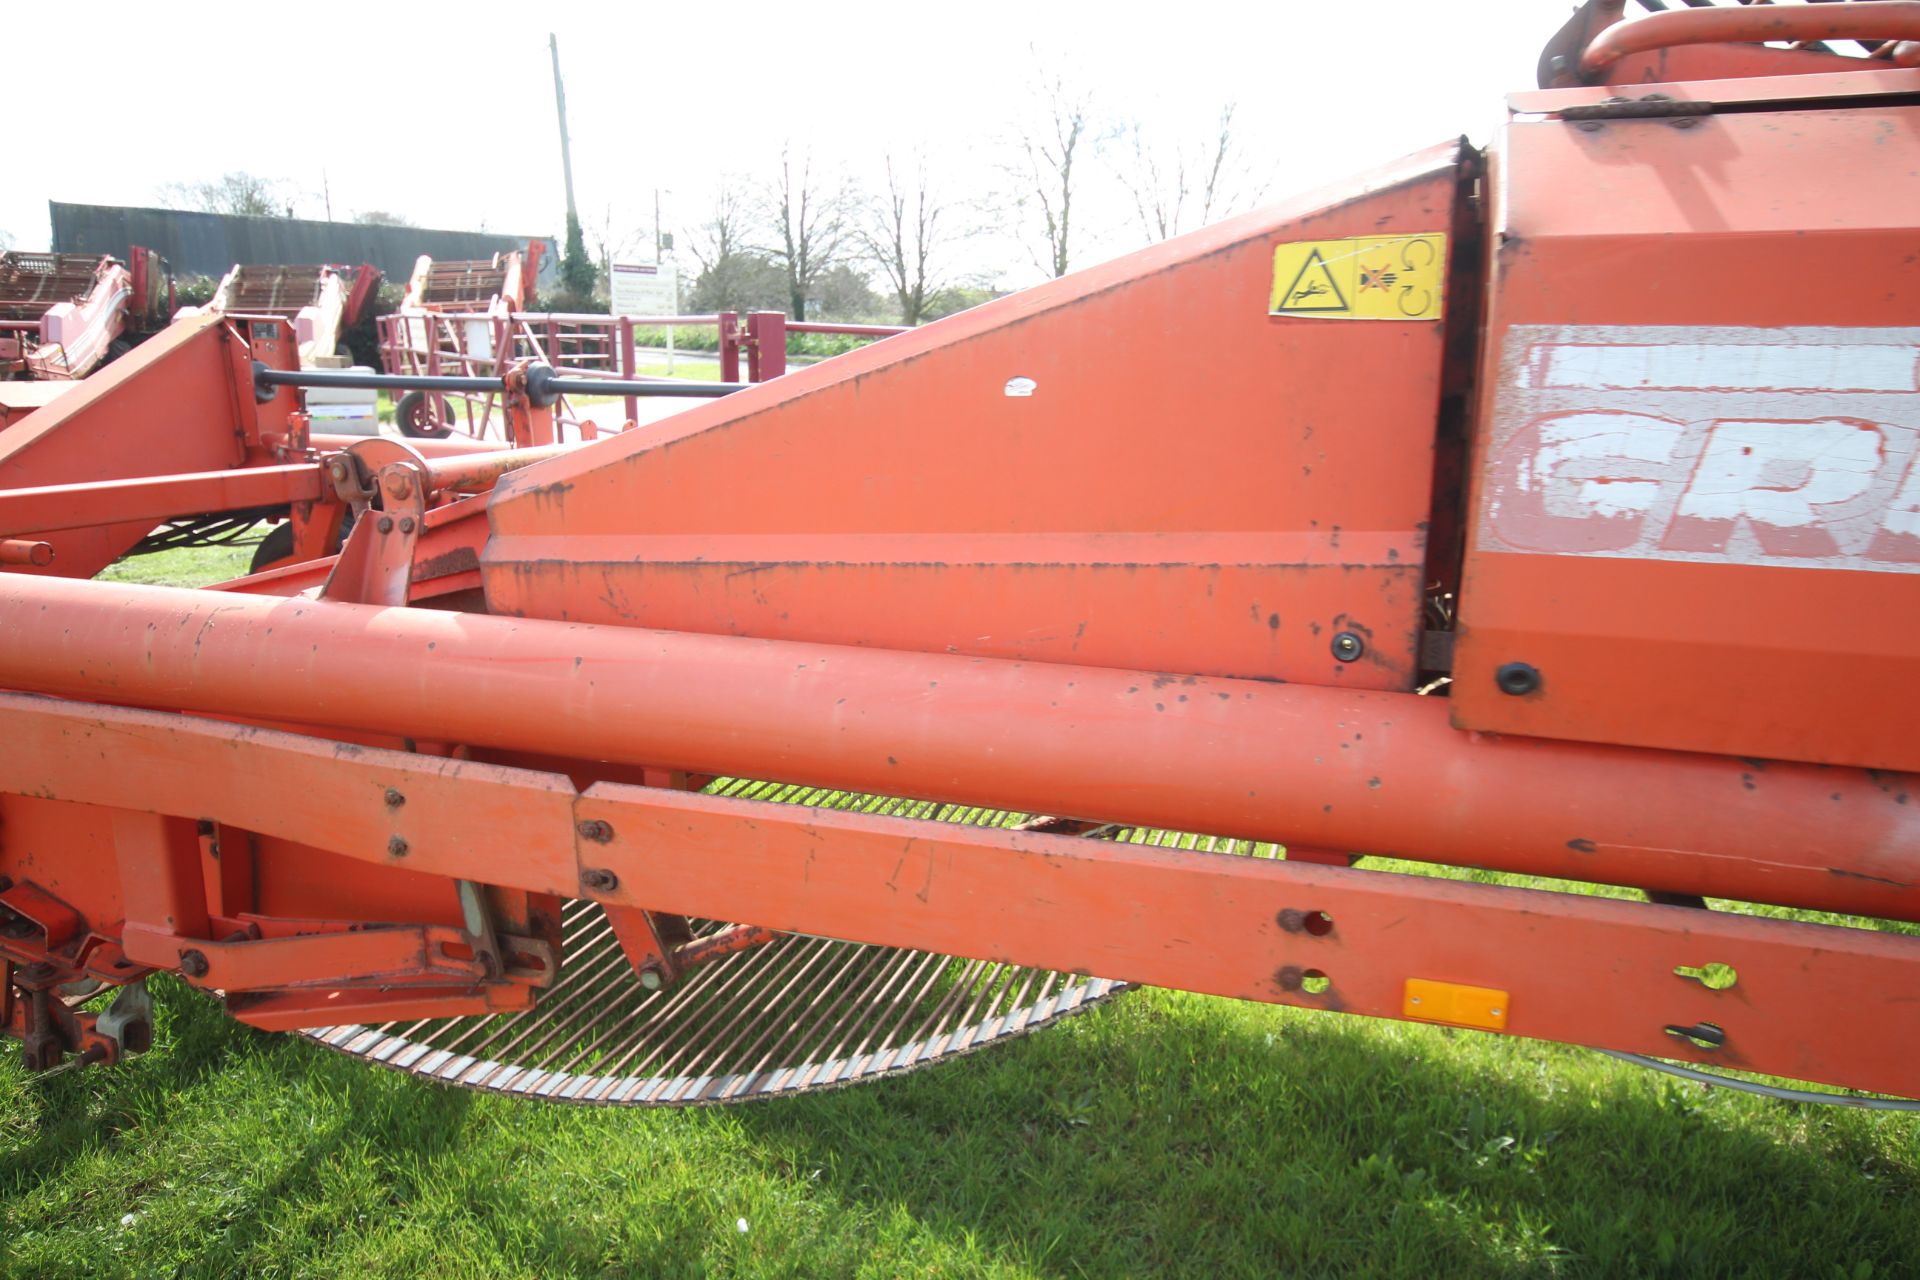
x=1348, y=646
x=1517, y=679
x=385, y=525
x=406, y=524
x=397, y=847
x=394, y=798
x=650, y=978
x=194, y=964
x=599, y=880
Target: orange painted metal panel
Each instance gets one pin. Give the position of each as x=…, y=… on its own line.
x=1699, y=438
x=1136, y=466
x=167, y=407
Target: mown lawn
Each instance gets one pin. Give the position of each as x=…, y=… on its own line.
x=1162, y=1133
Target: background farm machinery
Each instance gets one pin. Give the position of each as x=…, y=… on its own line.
x=471, y=320
x=64, y=314
x=1514, y=520
x=321, y=302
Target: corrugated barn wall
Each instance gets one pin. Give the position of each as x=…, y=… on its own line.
x=207, y=244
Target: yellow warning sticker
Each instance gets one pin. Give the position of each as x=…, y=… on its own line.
x=1364, y=278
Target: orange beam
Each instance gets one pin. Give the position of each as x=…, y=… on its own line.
x=53, y=507
x=1576, y=969
x=1547, y=965
x=1323, y=768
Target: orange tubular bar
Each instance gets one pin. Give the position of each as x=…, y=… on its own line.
x=1326, y=768
x=54, y=507
x=1860, y=20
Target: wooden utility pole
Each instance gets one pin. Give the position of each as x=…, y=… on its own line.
x=560, y=104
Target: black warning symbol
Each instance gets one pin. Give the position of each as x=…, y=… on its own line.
x=1313, y=288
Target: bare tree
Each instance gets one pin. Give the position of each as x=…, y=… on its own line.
x=1190, y=184
x=610, y=242
x=234, y=192
x=733, y=275
x=807, y=214
x=383, y=218
x=904, y=234
x=726, y=228
x=1046, y=150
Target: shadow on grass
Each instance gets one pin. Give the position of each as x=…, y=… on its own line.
x=1160, y=1135
x=1231, y=1140
x=106, y=1112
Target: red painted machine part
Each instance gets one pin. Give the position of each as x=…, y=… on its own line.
x=1040, y=478
x=1327, y=768
x=1722, y=232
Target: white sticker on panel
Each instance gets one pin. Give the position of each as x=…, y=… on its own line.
x=1797, y=446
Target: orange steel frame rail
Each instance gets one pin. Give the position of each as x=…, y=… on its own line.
x=1529, y=419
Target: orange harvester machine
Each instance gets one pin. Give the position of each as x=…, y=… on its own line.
x=1552, y=509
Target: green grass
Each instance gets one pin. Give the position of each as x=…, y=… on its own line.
x=1162, y=1133
x=695, y=370
x=186, y=566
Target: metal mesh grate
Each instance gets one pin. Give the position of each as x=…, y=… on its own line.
x=798, y=1014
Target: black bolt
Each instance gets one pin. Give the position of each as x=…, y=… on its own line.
x=1347, y=646
x=597, y=831
x=385, y=525
x=194, y=964
x=394, y=799
x=406, y=524
x=397, y=847
x=599, y=880
x=1517, y=678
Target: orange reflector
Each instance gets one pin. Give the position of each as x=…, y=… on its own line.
x=1456, y=1004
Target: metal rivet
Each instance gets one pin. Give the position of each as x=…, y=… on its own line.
x=599, y=880
x=595, y=830
x=385, y=525
x=394, y=799
x=1347, y=646
x=194, y=964
x=650, y=978
x=397, y=847
x=406, y=524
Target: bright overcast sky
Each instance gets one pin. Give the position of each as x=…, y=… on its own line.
x=444, y=113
